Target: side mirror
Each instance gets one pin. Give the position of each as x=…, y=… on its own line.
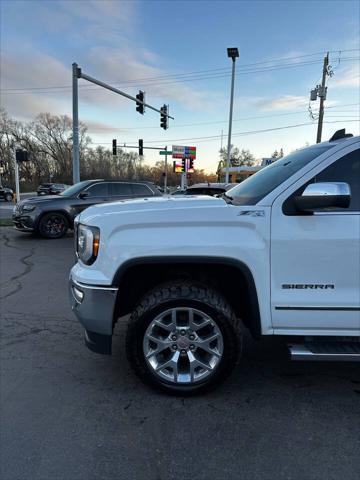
x=323, y=195
x=83, y=195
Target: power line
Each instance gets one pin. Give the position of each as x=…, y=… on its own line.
x=49, y=90
x=197, y=72
x=197, y=75
x=241, y=119
x=238, y=134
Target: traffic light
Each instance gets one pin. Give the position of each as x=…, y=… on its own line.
x=191, y=165
x=22, y=156
x=114, y=146
x=141, y=147
x=140, y=107
x=183, y=166
x=164, y=117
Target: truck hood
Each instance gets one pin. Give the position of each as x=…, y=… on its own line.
x=155, y=204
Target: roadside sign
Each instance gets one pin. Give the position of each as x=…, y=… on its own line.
x=165, y=152
x=178, y=166
x=184, y=165
x=179, y=151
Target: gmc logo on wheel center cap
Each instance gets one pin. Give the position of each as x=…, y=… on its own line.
x=183, y=342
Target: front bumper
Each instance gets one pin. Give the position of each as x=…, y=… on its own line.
x=24, y=223
x=94, y=307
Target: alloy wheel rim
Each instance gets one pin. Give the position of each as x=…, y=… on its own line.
x=183, y=345
x=54, y=225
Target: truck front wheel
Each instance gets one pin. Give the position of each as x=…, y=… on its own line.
x=183, y=338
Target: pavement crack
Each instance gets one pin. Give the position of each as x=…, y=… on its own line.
x=25, y=260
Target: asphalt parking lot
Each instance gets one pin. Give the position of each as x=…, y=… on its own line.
x=67, y=413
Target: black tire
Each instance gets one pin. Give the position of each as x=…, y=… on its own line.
x=53, y=225
x=192, y=295
x=8, y=197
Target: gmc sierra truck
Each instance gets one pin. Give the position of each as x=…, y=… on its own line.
x=278, y=254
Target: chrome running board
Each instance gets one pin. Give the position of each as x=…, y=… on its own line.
x=326, y=351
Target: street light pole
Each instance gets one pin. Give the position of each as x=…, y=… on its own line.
x=233, y=53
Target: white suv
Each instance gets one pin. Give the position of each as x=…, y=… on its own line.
x=279, y=254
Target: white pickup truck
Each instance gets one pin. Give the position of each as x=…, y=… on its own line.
x=279, y=254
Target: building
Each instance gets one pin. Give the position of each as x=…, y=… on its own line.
x=238, y=174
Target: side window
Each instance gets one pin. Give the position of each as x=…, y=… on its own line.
x=139, y=189
x=346, y=169
x=98, y=190
x=216, y=191
x=120, y=189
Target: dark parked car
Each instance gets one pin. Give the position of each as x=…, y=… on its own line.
x=7, y=194
x=205, y=189
x=51, y=188
x=52, y=216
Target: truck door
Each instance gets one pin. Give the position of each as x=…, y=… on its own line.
x=315, y=258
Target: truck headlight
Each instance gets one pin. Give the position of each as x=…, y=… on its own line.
x=88, y=242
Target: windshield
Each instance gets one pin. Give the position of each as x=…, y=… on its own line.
x=256, y=187
x=74, y=189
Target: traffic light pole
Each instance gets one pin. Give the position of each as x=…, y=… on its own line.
x=17, y=182
x=166, y=171
x=75, y=107
x=183, y=181
x=77, y=73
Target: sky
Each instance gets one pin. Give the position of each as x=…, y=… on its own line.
x=176, y=52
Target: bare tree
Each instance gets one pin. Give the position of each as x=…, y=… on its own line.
x=237, y=158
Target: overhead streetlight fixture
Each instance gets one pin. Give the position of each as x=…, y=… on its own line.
x=233, y=53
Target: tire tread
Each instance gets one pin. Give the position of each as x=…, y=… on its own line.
x=191, y=291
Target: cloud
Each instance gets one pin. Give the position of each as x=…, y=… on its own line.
x=102, y=128
x=115, y=66
x=285, y=102
x=120, y=66
x=108, y=20
x=33, y=72
x=346, y=78
x=29, y=71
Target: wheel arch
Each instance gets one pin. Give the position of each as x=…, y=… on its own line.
x=232, y=277
x=63, y=212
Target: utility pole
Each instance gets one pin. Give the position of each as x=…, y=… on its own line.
x=320, y=92
x=233, y=53
x=322, y=95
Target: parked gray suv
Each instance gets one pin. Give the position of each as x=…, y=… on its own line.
x=53, y=215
